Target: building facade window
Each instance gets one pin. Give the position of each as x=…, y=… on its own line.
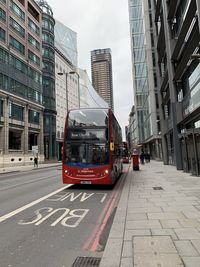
x=15, y=140
x=2, y=34
x=48, y=66
x=48, y=52
x=1, y=107
x=16, y=112
x=20, y=89
x=3, y=82
x=35, y=75
x=33, y=42
x=33, y=116
x=47, y=38
x=17, y=11
x=21, y=66
x=2, y=15
x=33, y=27
x=17, y=28
x=47, y=24
x=32, y=57
x=17, y=45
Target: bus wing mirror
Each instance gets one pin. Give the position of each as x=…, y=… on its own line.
x=111, y=146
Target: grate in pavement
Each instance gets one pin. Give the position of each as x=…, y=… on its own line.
x=159, y=172
x=86, y=262
x=157, y=188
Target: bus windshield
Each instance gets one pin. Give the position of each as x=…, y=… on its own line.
x=86, y=118
x=86, y=153
x=87, y=138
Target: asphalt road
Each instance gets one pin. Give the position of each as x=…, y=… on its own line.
x=44, y=223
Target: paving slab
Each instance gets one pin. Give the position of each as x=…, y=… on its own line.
x=191, y=261
x=185, y=248
x=187, y=233
x=163, y=260
x=154, y=245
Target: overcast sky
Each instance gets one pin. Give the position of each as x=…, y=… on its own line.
x=102, y=24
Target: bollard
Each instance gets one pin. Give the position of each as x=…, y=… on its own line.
x=135, y=161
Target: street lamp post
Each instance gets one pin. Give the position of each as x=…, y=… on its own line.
x=66, y=76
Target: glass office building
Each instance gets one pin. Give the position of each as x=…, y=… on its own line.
x=146, y=113
x=66, y=42
x=21, y=102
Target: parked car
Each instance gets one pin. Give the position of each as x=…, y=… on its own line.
x=126, y=159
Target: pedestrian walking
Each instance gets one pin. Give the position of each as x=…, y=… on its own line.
x=142, y=157
x=147, y=157
x=36, y=161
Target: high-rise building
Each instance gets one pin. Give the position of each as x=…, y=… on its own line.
x=146, y=107
x=178, y=46
x=48, y=80
x=21, y=97
x=101, y=64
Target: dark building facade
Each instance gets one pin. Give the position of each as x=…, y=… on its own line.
x=178, y=37
x=48, y=80
x=101, y=64
x=21, y=107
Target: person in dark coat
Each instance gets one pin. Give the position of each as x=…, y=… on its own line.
x=36, y=161
x=142, y=157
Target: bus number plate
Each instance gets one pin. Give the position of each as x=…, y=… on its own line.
x=86, y=182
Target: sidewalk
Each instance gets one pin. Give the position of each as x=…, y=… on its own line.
x=28, y=167
x=157, y=222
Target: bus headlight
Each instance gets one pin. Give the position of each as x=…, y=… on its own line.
x=106, y=171
x=66, y=171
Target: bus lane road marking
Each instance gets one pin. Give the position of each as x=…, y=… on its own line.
x=67, y=217
x=12, y=213
x=82, y=196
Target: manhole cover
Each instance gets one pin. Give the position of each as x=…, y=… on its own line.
x=157, y=188
x=86, y=262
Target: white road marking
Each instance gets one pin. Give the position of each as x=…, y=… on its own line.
x=12, y=213
x=69, y=218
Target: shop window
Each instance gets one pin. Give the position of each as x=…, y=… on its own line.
x=15, y=140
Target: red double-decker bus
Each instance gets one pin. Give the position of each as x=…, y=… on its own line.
x=92, y=147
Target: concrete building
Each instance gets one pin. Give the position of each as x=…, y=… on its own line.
x=178, y=37
x=146, y=108
x=21, y=107
x=67, y=94
x=101, y=65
